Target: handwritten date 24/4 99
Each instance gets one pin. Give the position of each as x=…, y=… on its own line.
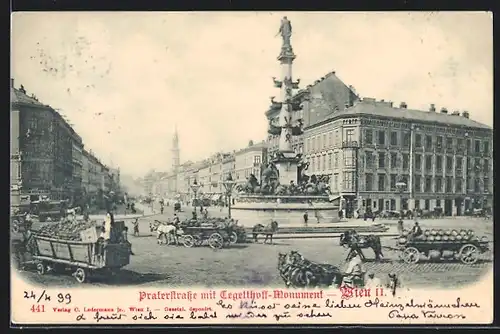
x=44, y=296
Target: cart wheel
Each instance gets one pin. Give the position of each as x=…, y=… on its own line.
x=188, y=241
x=41, y=268
x=15, y=226
x=216, y=241
x=411, y=255
x=469, y=254
x=233, y=238
x=80, y=275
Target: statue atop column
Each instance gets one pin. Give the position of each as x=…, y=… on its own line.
x=285, y=31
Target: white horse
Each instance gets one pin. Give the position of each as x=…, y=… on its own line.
x=165, y=233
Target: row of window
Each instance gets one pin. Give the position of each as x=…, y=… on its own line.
x=426, y=141
x=426, y=184
x=328, y=140
x=427, y=160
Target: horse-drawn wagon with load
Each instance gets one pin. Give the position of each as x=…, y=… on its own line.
x=442, y=244
x=216, y=232
x=77, y=246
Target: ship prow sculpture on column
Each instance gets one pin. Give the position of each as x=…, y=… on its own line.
x=286, y=192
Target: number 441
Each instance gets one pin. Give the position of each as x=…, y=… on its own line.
x=37, y=308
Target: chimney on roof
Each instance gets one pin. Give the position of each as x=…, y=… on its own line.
x=432, y=107
x=465, y=114
x=444, y=110
x=456, y=113
x=403, y=105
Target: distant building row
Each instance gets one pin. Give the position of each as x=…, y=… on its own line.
x=48, y=157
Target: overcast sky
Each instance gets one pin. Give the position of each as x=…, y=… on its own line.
x=125, y=79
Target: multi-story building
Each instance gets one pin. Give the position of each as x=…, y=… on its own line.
x=313, y=104
x=250, y=160
x=77, y=160
x=41, y=149
x=443, y=159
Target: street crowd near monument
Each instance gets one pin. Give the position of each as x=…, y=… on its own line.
x=359, y=194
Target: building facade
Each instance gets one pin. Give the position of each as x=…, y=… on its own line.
x=250, y=160
x=443, y=159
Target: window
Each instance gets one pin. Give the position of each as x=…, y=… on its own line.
x=349, y=180
x=417, y=204
x=460, y=143
x=369, y=159
x=330, y=143
x=458, y=186
x=428, y=142
x=319, y=163
x=313, y=163
x=449, y=142
x=381, y=182
x=486, y=147
x=369, y=136
x=459, y=162
x=330, y=160
x=324, y=162
x=418, y=162
x=369, y=182
x=349, y=135
x=406, y=139
x=394, y=138
x=256, y=159
x=336, y=160
x=381, y=160
x=469, y=145
x=477, y=146
x=325, y=143
x=428, y=163
x=393, y=204
x=428, y=184
x=439, y=163
x=449, y=163
x=381, y=138
x=393, y=181
x=418, y=140
x=336, y=137
x=349, y=158
x=486, y=166
x=448, y=184
x=486, y=184
x=438, y=203
x=320, y=143
x=418, y=183
x=406, y=160
x=439, y=142
x=476, y=186
x=477, y=163
x=439, y=184
x=394, y=160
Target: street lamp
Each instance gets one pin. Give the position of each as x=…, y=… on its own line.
x=228, y=185
x=401, y=186
x=195, y=186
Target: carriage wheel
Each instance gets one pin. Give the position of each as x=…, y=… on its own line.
x=469, y=254
x=41, y=268
x=188, y=241
x=80, y=275
x=411, y=255
x=216, y=241
x=15, y=226
x=233, y=238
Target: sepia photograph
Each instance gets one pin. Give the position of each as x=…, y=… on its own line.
x=230, y=150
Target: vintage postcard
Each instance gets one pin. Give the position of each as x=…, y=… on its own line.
x=251, y=168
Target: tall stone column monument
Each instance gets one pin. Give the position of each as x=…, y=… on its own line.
x=286, y=161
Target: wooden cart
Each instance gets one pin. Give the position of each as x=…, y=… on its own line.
x=214, y=236
x=442, y=245
x=84, y=258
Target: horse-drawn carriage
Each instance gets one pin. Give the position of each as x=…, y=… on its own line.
x=442, y=245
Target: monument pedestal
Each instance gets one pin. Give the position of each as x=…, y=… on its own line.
x=287, y=165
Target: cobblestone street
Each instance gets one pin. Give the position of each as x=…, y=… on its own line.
x=256, y=264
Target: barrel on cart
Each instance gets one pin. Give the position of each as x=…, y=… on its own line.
x=85, y=255
x=443, y=245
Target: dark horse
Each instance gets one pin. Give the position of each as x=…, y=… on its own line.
x=357, y=242
x=268, y=231
x=298, y=272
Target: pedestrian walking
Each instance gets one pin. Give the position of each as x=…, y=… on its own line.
x=400, y=227
x=136, y=227
x=306, y=218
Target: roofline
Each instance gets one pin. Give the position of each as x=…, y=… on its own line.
x=347, y=115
